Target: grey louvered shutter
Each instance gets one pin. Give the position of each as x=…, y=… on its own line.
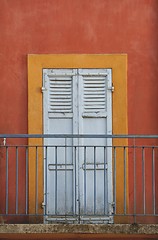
x=78, y=183
x=60, y=91
x=94, y=92
x=60, y=94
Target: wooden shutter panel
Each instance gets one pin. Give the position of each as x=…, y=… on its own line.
x=94, y=92
x=60, y=94
x=60, y=91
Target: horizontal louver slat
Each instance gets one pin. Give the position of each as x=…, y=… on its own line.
x=94, y=94
x=60, y=94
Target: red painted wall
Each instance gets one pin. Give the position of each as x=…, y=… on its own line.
x=78, y=26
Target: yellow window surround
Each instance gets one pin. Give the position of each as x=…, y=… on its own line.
x=36, y=62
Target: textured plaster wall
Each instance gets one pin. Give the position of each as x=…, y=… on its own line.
x=80, y=26
x=77, y=26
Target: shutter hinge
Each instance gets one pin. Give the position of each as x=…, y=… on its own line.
x=43, y=89
x=111, y=88
x=43, y=205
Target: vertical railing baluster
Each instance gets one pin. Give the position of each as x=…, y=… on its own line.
x=36, y=183
x=94, y=180
x=17, y=178
x=7, y=185
x=114, y=180
x=26, y=180
x=65, y=175
x=124, y=180
x=153, y=181
x=85, y=183
x=56, y=179
x=143, y=178
x=79, y=149
x=134, y=181
x=46, y=182
x=75, y=184
x=105, y=185
x=72, y=183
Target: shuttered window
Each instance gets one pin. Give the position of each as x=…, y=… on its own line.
x=83, y=90
x=78, y=101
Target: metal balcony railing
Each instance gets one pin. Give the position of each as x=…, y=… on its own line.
x=78, y=178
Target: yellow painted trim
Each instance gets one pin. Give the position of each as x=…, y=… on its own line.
x=118, y=64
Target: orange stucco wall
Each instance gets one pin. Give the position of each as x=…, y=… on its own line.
x=77, y=26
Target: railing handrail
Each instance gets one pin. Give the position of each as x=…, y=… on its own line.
x=77, y=136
